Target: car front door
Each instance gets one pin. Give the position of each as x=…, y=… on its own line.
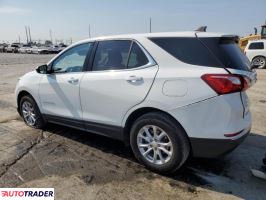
x=59, y=91
x=120, y=78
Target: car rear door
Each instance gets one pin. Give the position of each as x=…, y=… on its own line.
x=120, y=77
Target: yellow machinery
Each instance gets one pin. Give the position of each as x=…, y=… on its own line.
x=244, y=40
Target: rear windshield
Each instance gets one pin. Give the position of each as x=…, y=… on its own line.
x=228, y=52
x=209, y=52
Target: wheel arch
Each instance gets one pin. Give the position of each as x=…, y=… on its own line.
x=144, y=110
x=258, y=56
x=19, y=97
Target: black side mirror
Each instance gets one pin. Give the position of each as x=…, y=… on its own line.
x=43, y=69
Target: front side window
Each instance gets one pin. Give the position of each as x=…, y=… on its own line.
x=256, y=45
x=111, y=55
x=72, y=60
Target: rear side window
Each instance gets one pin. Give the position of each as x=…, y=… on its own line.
x=209, y=52
x=256, y=45
x=118, y=54
x=111, y=55
x=188, y=50
x=137, y=57
x=227, y=51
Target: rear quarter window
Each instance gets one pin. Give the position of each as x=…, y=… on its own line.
x=188, y=50
x=207, y=52
x=137, y=57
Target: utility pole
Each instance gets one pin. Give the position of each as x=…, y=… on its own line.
x=27, y=34
x=51, y=37
x=150, y=24
x=19, y=39
x=89, y=31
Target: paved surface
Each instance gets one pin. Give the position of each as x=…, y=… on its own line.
x=81, y=165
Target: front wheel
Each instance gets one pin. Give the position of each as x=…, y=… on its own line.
x=30, y=112
x=159, y=142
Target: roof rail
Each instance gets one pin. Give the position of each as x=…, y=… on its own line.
x=201, y=29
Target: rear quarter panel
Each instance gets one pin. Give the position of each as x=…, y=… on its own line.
x=177, y=84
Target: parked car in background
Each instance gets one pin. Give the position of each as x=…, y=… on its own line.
x=61, y=47
x=39, y=50
x=2, y=48
x=168, y=95
x=5, y=45
x=57, y=48
x=13, y=48
x=24, y=48
x=34, y=50
x=29, y=50
x=256, y=53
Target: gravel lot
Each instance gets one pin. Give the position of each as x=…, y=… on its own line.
x=81, y=165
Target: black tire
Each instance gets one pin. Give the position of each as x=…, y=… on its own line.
x=175, y=132
x=40, y=122
x=262, y=59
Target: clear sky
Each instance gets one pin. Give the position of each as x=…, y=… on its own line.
x=71, y=18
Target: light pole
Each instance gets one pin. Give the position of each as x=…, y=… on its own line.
x=89, y=31
x=150, y=24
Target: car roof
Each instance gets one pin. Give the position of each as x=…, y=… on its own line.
x=254, y=41
x=160, y=34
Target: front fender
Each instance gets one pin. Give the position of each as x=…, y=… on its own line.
x=29, y=83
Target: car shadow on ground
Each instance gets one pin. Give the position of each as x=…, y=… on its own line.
x=229, y=174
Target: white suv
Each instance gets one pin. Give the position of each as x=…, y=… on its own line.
x=256, y=53
x=168, y=95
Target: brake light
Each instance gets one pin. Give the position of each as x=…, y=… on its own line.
x=232, y=134
x=226, y=83
x=246, y=83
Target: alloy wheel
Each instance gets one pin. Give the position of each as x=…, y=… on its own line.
x=154, y=144
x=28, y=113
x=259, y=61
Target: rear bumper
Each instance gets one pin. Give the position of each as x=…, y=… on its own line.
x=211, y=148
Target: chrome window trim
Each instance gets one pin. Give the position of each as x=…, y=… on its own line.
x=151, y=61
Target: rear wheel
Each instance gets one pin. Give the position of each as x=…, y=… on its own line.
x=30, y=112
x=159, y=142
x=259, y=61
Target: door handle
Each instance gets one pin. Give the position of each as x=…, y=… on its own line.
x=134, y=79
x=73, y=80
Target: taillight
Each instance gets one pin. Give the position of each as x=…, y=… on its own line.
x=226, y=83
x=246, y=83
x=232, y=134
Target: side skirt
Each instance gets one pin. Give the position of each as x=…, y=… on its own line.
x=111, y=131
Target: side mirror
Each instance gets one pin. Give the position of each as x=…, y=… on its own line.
x=43, y=69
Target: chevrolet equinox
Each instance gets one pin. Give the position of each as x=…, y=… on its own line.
x=168, y=95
